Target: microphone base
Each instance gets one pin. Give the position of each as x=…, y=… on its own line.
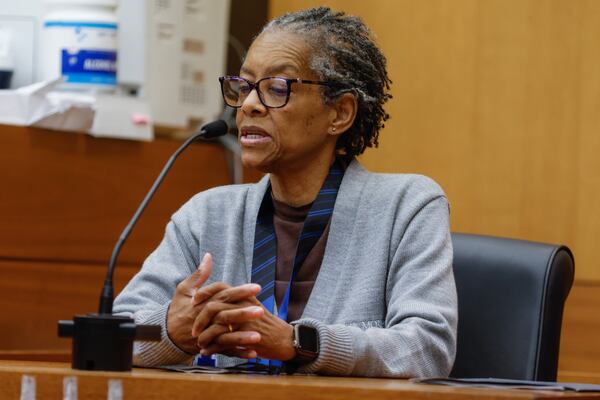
x=104, y=342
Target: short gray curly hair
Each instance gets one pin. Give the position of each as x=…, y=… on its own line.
x=344, y=54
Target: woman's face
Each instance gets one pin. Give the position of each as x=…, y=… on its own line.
x=296, y=135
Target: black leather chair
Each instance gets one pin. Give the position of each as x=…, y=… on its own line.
x=511, y=295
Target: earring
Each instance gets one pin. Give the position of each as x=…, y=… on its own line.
x=333, y=130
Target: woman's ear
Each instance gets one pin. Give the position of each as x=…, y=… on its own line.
x=345, y=109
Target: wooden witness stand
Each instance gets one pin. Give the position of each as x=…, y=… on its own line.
x=156, y=384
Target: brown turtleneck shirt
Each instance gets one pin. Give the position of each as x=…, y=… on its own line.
x=288, y=222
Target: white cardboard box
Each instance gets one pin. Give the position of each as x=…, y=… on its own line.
x=100, y=115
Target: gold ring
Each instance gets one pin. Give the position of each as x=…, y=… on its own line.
x=230, y=328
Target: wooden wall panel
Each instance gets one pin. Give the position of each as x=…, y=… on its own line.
x=499, y=101
x=68, y=196
x=579, y=344
x=35, y=295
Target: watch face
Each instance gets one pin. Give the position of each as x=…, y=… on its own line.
x=308, y=338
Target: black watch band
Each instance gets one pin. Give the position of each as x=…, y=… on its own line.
x=306, y=344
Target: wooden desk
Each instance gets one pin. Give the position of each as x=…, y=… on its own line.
x=154, y=384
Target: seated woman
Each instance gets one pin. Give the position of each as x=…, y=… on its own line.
x=321, y=265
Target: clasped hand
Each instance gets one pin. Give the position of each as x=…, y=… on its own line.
x=219, y=318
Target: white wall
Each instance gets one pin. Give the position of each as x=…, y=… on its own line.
x=23, y=18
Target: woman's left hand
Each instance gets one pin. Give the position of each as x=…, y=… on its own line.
x=255, y=332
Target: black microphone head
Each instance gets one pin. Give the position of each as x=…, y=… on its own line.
x=214, y=129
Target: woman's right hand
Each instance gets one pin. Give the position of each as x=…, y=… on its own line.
x=190, y=298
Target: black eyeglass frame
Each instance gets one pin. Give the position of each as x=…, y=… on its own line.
x=254, y=85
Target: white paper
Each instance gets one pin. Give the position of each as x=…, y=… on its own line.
x=70, y=388
x=28, y=387
x=100, y=115
x=115, y=389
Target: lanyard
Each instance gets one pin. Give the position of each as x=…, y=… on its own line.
x=265, y=242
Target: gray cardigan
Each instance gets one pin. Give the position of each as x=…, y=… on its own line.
x=384, y=302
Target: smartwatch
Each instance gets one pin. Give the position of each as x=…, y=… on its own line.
x=306, y=344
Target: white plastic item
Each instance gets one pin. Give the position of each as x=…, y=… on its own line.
x=7, y=59
x=79, y=43
x=171, y=53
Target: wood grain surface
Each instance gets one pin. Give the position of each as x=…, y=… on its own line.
x=580, y=340
x=153, y=384
x=67, y=197
x=35, y=295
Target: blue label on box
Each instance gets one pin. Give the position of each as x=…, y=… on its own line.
x=96, y=67
x=72, y=24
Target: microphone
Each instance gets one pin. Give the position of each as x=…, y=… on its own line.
x=208, y=131
x=212, y=130
x=104, y=341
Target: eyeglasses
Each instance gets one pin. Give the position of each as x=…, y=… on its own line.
x=273, y=91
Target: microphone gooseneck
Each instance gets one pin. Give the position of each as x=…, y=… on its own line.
x=208, y=131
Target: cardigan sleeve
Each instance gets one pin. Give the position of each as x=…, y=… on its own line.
x=147, y=297
x=418, y=338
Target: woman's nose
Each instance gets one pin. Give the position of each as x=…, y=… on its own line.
x=252, y=103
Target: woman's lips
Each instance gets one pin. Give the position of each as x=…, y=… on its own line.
x=252, y=140
x=254, y=137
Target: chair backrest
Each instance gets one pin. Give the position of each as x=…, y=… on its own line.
x=511, y=295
